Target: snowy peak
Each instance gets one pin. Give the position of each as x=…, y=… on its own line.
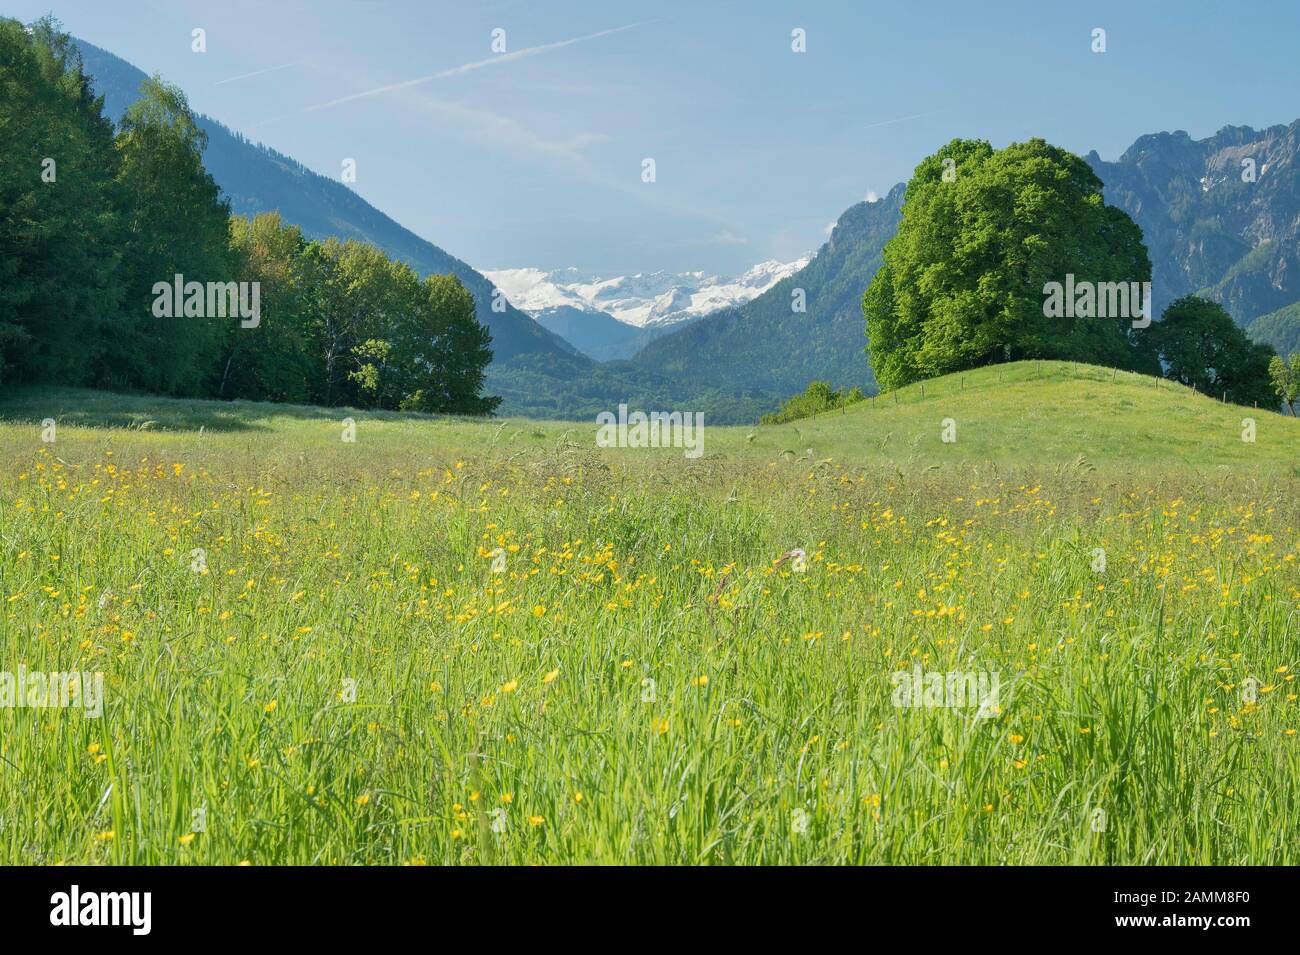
x=643, y=300
x=534, y=290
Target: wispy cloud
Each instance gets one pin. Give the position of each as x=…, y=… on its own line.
x=246, y=76
x=496, y=130
x=506, y=134
x=901, y=119
x=471, y=67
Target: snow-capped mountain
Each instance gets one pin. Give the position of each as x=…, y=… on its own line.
x=643, y=300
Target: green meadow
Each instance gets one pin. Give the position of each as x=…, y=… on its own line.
x=465, y=641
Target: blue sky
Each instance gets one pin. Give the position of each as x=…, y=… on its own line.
x=534, y=158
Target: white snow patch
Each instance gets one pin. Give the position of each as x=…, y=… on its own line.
x=643, y=299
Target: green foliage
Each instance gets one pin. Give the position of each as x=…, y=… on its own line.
x=461, y=352
x=345, y=324
x=95, y=228
x=271, y=361
x=1202, y=347
x=359, y=292
x=385, y=339
x=964, y=278
x=60, y=212
x=177, y=224
x=1285, y=376
x=817, y=398
x=256, y=179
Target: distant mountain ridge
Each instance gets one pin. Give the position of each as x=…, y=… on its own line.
x=738, y=363
x=768, y=343
x=1207, y=226
x=643, y=299
x=613, y=317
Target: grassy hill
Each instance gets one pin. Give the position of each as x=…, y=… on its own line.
x=1055, y=413
x=1044, y=414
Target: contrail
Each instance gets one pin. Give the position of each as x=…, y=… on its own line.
x=269, y=69
x=901, y=119
x=470, y=67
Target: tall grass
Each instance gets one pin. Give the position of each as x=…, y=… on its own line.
x=507, y=718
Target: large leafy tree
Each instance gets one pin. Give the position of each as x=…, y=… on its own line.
x=983, y=232
x=60, y=288
x=270, y=361
x=382, y=338
x=397, y=354
x=462, y=351
x=1202, y=347
x=351, y=300
x=178, y=223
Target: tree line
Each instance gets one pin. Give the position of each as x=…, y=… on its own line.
x=96, y=219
